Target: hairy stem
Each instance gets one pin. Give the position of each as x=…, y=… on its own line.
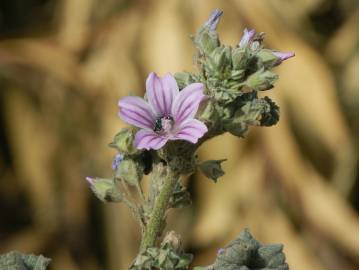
x=156, y=220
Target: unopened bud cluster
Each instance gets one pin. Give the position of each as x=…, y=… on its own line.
x=233, y=76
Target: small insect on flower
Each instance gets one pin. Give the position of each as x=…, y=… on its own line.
x=167, y=115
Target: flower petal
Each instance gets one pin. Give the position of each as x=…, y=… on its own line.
x=247, y=37
x=191, y=130
x=161, y=93
x=213, y=20
x=283, y=56
x=186, y=103
x=148, y=139
x=136, y=111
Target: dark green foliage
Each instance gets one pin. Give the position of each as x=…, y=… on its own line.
x=169, y=256
x=246, y=253
x=15, y=260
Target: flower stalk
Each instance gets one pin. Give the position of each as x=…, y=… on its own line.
x=159, y=210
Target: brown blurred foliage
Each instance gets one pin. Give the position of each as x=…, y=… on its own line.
x=65, y=63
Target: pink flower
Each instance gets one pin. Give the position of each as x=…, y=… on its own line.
x=167, y=115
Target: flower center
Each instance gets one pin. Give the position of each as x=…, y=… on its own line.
x=163, y=124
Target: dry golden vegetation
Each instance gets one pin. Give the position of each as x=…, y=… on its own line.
x=65, y=63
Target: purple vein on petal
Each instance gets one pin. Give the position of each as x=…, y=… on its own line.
x=191, y=130
x=137, y=112
x=187, y=101
x=135, y=119
x=147, y=139
x=160, y=93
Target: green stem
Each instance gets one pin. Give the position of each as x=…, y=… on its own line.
x=155, y=222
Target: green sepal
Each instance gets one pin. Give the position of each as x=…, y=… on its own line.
x=261, y=80
x=131, y=171
x=185, y=78
x=245, y=253
x=208, y=112
x=257, y=112
x=206, y=41
x=212, y=169
x=219, y=62
x=240, y=58
x=166, y=257
x=271, y=114
x=180, y=197
x=106, y=190
x=266, y=58
x=123, y=141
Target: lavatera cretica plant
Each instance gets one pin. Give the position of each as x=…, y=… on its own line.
x=177, y=114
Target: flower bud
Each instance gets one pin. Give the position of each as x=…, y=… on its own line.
x=268, y=252
x=237, y=129
x=240, y=58
x=246, y=253
x=212, y=169
x=173, y=240
x=123, y=141
x=206, y=38
x=270, y=115
x=130, y=171
x=261, y=80
x=213, y=20
x=282, y=56
x=255, y=112
x=206, y=43
x=267, y=58
x=218, y=61
x=184, y=78
x=208, y=114
x=248, y=36
x=105, y=189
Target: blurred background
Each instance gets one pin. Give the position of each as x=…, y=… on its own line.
x=63, y=66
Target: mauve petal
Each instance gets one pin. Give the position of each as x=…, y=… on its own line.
x=148, y=139
x=135, y=111
x=247, y=37
x=213, y=20
x=186, y=103
x=283, y=56
x=161, y=93
x=191, y=130
x=158, y=143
